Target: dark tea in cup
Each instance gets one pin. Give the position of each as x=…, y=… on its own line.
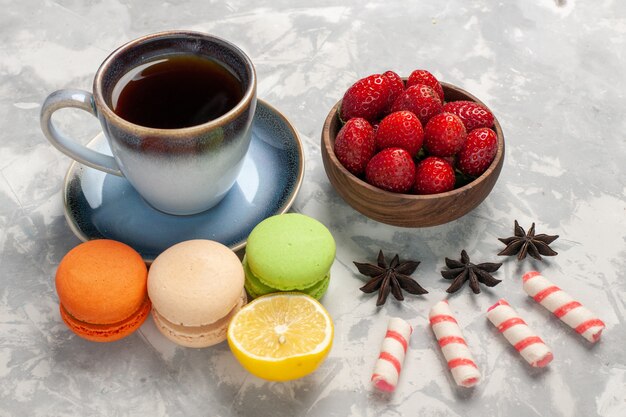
x=176, y=92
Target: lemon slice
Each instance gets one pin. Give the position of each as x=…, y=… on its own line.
x=282, y=336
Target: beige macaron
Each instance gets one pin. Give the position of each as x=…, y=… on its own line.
x=195, y=288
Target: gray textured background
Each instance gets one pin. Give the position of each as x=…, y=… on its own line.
x=552, y=72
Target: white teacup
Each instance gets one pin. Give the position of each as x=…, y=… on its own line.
x=179, y=171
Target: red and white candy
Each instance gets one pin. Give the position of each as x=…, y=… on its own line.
x=562, y=305
x=517, y=332
x=389, y=364
x=453, y=345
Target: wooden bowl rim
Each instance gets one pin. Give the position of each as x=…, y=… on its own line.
x=329, y=142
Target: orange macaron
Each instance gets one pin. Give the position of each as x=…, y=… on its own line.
x=102, y=289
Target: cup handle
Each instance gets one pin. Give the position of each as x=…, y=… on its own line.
x=83, y=100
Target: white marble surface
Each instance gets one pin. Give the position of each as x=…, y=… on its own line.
x=553, y=73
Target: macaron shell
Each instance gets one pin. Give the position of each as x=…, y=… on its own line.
x=107, y=332
x=195, y=283
x=101, y=281
x=256, y=288
x=198, y=336
x=290, y=251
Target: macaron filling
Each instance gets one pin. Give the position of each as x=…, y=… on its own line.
x=198, y=336
x=256, y=287
x=107, y=331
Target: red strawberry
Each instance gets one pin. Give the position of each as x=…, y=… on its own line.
x=401, y=129
x=426, y=78
x=444, y=135
x=391, y=169
x=397, y=85
x=367, y=98
x=433, y=175
x=354, y=145
x=419, y=99
x=479, y=150
x=473, y=114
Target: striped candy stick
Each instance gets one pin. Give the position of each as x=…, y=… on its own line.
x=562, y=305
x=389, y=364
x=453, y=345
x=517, y=332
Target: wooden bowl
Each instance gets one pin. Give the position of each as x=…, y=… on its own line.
x=408, y=210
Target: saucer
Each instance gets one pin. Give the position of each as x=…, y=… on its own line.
x=103, y=206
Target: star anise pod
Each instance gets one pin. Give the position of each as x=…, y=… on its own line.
x=390, y=278
x=464, y=270
x=527, y=243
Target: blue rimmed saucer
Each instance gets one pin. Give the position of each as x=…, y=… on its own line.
x=103, y=206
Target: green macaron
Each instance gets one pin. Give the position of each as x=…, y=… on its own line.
x=289, y=252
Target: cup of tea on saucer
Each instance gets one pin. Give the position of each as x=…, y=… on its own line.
x=176, y=109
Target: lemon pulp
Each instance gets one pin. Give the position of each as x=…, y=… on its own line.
x=281, y=336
